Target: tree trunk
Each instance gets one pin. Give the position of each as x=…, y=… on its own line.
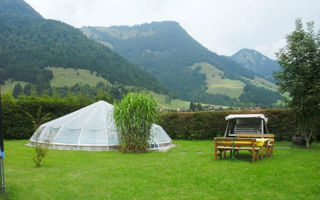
x=309, y=136
x=308, y=145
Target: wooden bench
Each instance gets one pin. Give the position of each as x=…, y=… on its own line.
x=239, y=129
x=223, y=144
x=269, y=146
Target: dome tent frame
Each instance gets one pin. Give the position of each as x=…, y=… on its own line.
x=91, y=128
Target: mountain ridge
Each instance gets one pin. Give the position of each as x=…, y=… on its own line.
x=256, y=62
x=31, y=43
x=167, y=51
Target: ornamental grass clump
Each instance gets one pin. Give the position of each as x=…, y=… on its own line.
x=134, y=116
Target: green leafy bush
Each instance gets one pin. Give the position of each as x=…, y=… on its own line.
x=207, y=125
x=134, y=116
x=17, y=125
x=41, y=149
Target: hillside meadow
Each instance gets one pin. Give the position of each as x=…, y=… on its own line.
x=187, y=171
x=216, y=84
x=68, y=77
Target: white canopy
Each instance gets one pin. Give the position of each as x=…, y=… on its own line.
x=90, y=128
x=247, y=116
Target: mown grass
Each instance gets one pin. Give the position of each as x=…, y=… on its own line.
x=260, y=82
x=216, y=84
x=187, y=171
x=62, y=77
x=8, y=85
x=69, y=77
x=173, y=104
x=233, y=88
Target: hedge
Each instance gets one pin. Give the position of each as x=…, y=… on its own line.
x=197, y=125
x=207, y=125
x=17, y=125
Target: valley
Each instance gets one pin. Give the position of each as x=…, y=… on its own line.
x=160, y=57
x=166, y=51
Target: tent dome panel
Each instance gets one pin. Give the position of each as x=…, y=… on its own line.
x=90, y=128
x=158, y=135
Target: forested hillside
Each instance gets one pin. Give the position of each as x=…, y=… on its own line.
x=256, y=62
x=30, y=43
x=167, y=51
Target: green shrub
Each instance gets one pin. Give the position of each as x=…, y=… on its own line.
x=207, y=125
x=41, y=149
x=17, y=125
x=134, y=116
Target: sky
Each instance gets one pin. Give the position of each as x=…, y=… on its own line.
x=222, y=26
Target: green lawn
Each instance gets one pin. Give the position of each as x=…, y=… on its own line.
x=187, y=171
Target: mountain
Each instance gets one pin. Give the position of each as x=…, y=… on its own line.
x=30, y=44
x=256, y=62
x=18, y=8
x=169, y=53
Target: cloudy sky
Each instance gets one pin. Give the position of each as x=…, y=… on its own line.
x=222, y=26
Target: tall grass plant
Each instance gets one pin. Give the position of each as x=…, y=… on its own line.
x=134, y=116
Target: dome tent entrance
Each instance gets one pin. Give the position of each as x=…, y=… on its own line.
x=90, y=128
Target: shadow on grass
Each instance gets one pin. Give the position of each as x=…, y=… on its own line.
x=243, y=156
x=4, y=195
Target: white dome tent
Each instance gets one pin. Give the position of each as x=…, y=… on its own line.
x=91, y=128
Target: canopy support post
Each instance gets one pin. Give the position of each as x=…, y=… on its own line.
x=262, y=129
x=266, y=128
x=227, y=129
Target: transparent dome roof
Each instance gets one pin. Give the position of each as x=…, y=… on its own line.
x=90, y=128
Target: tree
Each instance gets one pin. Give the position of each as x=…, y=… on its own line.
x=192, y=106
x=199, y=107
x=101, y=95
x=300, y=77
x=17, y=90
x=27, y=89
x=253, y=94
x=167, y=100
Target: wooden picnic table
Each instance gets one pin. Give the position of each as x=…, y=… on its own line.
x=254, y=145
x=269, y=145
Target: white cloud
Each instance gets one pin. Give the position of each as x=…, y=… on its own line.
x=270, y=49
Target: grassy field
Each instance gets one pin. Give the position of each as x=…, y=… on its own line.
x=216, y=84
x=187, y=171
x=9, y=85
x=260, y=82
x=174, y=103
x=69, y=77
x=63, y=77
x=232, y=88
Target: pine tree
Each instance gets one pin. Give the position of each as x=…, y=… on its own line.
x=17, y=90
x=192, y=106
